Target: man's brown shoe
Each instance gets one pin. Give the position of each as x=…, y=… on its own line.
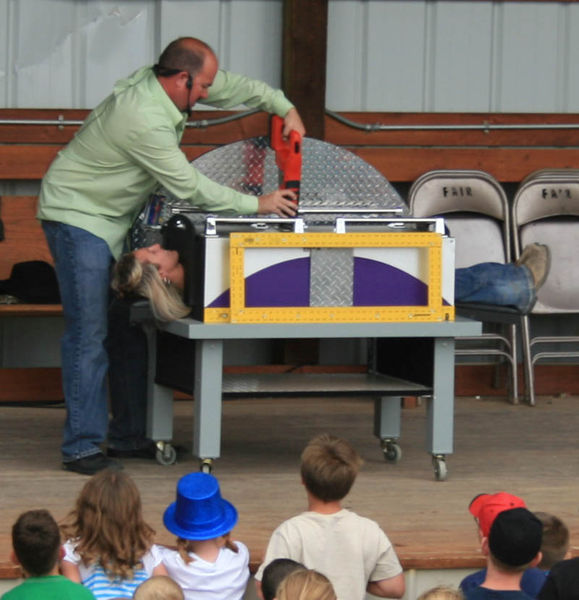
x=537, y=258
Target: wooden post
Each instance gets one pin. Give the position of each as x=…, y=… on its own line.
x=305, y=24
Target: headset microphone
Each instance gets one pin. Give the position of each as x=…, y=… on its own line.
x=189, y=85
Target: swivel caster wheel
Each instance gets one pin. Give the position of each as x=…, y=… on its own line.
x=439, y=464
x=166, y=454
x=206, y=466
x=392, y=451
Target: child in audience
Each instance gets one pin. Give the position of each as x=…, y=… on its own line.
x=352, y=551
x=159, y=587
x=109, y=547
x=513, y=544
x=485, y=508
x=555, y=545
x=36, y=548
x=441, y=592
x=207, y=565
x=274, y=574
x=306, y=584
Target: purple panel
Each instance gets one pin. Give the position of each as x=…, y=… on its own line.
x=379, y=284
x=283, y=284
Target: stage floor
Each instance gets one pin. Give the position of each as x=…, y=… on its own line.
x=532, y=452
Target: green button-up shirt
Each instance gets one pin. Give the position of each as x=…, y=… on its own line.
x=129, y=144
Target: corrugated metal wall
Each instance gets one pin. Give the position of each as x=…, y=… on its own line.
x=383, y=55
x=453, y=56
x=68, y=53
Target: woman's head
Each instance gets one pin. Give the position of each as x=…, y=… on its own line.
x=305, y=584
x=155, y=274
x=108, y=523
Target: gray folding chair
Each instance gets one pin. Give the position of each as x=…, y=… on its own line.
x=546, y=210
x=476, y=213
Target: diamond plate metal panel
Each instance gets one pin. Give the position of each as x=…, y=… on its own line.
x=332, y=179
x=331, y=277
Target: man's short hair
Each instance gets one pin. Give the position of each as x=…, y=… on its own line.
x=36, y=542
x=329, y=467
x=275, y=572
x=515, y=539
x=555, y=544
x=183, y=54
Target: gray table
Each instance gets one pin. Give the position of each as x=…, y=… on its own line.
x=387, y=388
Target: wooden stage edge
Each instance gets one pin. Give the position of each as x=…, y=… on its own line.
x=44, y=384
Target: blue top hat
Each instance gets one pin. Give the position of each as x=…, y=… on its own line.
x=200, y=513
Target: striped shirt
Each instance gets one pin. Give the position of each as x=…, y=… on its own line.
x=95, y=578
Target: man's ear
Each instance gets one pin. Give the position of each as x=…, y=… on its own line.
x=536, y=560
x=484, y=545
x=14, y=558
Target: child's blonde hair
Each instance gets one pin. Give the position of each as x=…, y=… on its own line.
x=305, y=584
x=441, y=592
x=185, y=546
x=329, y=467
x=107, y=524
x=159, y=587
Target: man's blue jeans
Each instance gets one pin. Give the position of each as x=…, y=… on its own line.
x=495, y=283
x=83, y=262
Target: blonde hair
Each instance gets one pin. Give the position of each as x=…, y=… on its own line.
x=306, y=584
x=441, y=592
x=329, y=467
x=185, y=546
x=133, y=277
x=159, y=587
x=107, y=524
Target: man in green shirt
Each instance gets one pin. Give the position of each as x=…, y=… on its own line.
x=97, y=185
x=36, y=548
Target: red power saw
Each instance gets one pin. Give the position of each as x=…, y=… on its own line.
x=288, y=155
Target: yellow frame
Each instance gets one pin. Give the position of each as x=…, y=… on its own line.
x=239, y=313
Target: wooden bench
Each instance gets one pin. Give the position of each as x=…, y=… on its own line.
x=24, y=240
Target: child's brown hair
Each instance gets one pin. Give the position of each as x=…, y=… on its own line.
x=36, y=542
x=555, y=544
x=108, y=524
x=329, y=467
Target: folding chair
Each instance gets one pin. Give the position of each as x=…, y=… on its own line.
x=546, y=210
x=476, y=213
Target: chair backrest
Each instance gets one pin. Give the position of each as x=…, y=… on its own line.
x=546, y=210
x=475, y=209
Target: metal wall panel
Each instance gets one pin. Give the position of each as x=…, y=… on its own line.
x=69, y=53
x=454, y=55
x=395, y=55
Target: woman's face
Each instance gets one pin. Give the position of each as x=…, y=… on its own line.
x=165, y=260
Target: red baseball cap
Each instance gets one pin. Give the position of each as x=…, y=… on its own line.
x=485, y=507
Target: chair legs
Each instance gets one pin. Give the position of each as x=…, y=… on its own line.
x=527, y=361
x=514, y=369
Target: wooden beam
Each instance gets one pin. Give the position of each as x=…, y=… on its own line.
x=305, y=26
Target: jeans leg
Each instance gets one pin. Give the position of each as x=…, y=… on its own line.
x=127, y=347
x=495, y=283
x=83, y=263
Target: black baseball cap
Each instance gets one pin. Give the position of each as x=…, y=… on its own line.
x=515, y=537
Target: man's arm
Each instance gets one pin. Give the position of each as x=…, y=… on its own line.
x=394, y=587
x=231, y=89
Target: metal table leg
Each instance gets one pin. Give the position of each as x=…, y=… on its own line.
x=387, y=417
x=440, y=409
x=207, y=394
